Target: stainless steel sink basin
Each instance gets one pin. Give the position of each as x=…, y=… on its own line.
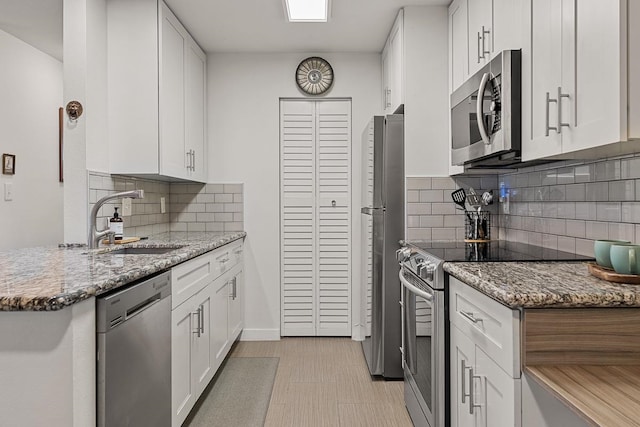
x=143, y=251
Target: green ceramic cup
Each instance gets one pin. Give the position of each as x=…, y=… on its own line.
x=602, y=249
x=625, y=258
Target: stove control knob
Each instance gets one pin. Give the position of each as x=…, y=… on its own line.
x=403, y=254
x=422, y=268
x=430, y=271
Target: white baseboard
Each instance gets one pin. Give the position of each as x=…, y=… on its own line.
x=260, y=335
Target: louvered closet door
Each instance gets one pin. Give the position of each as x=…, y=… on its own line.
x=315, y=217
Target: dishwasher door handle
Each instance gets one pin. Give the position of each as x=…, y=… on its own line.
x=144, y=305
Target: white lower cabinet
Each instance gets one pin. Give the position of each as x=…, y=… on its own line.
x=484, y=392
x=205, y=324
x=191, y=362
x=228, y=313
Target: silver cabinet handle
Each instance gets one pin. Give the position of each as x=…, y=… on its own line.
x=560, y=96
x=547, y=128
x=388, y=97
x=480, y=109
x=470, y=316
x=201, y=309
x=472, y=403
x=193, y=168
x=198, y=328
x=235, y=288
x=481, y=38
x=463, y=370
x=484, y=33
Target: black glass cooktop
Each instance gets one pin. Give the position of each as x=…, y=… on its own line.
x=493, y=251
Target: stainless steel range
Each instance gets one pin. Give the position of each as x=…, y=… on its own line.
x=425, y=318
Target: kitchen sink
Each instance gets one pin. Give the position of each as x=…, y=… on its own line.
x=143, y=250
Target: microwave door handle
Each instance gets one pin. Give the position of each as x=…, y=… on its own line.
x=480, y=109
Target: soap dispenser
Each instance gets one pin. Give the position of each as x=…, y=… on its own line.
x=116, y=225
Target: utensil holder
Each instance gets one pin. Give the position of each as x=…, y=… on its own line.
x=477, y=226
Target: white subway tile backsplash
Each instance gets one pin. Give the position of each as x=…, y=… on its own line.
x=576, y=228
x=431, y=196
x=608, y=211
x=623, y=190
x=608, y=170
x=597, y=191
x=630, y=212
x=421, y=183
x=620, y=231
x=413, y=196
x=596, y=230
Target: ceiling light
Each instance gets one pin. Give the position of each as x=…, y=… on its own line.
x=307, y=10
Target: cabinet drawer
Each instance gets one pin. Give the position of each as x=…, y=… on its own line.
x=191, y=276
x=235, y=252
x=493, y=327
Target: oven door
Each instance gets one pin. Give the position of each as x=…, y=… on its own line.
x=423, y=351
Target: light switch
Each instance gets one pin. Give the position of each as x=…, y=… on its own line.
x=126, y=206
x=8, y=191
x=163, y=206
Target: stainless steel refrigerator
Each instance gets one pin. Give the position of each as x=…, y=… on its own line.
x=382, y=228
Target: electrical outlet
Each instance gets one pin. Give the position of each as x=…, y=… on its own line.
x=126, y=206
x=163, y=206
x=8, y=191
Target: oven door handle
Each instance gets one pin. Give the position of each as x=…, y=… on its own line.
x=414, y=289
x=480, y=109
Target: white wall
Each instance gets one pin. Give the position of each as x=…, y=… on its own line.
x=85, y=80
x=244, y=93
x=31, y=88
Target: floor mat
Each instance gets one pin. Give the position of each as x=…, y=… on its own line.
x=239, y=394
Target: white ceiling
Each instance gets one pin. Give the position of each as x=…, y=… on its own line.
x=37, y=22
x=233, y=25
x=260, y=25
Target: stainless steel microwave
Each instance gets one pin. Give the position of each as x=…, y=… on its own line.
x=486, y=114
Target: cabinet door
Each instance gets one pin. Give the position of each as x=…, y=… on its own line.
x=386, y=79
x=219, y=322
x=236, y=304
x=195, y=110
x=172, y=97
x=480, y=33
x=201, y=361
x=498, y=395
x=545, y=48
x=183, y=388
x=458, y=44
x=509, y=18
x=592, y=57
x=462, y=363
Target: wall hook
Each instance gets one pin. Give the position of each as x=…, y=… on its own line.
x=74, y=110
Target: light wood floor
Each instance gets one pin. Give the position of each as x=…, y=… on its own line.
x=325, y=382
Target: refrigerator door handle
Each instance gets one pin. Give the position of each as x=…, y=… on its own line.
x=370, y=211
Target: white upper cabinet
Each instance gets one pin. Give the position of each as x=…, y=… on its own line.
x=458, y=44
x=393, y=67
x=157, y=93
x=579, y=70
x=478, y=30
x=480, y=33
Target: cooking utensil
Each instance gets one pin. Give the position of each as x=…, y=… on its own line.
x=487, y=197
x=459, y=196
x=473, y=200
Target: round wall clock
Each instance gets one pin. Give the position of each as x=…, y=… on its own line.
x=314, y=76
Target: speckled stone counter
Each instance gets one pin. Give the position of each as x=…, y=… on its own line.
x=543, y=284
x=51, y=278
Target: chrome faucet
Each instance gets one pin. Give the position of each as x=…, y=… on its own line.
x=94, y=235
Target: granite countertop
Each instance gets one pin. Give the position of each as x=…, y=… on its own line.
x=51, y=278
x=543, y=284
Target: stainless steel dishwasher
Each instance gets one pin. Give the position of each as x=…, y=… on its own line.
x=134, y=355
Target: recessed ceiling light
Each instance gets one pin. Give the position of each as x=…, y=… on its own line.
x=307, y=10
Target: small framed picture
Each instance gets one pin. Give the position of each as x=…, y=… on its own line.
x=8, y=164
